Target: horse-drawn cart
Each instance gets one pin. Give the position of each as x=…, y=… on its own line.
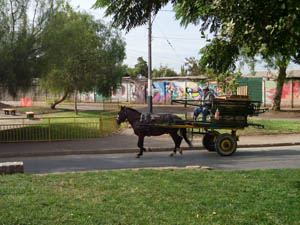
x=226, y=113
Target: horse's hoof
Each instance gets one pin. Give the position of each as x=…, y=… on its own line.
x=137, y=156
x=180, y=152
x=172, y=154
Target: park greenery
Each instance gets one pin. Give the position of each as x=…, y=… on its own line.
x=86, y=124
x=237, y=29
x=68, y=50
x=148, y=196
x=20, y=48
x=63, y=124
x=81, y=54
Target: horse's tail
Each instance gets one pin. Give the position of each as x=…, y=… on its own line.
x=183, y=133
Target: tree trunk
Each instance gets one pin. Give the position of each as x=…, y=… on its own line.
x=75, y=102
x=280, y=82
x=59, y=101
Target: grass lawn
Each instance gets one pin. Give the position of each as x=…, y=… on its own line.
x=39, y=109
x=272, y=126
x=152, y=197
x=63, y=126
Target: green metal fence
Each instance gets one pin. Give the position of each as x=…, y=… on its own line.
x=55, y=128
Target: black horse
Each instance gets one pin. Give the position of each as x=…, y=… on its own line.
x=142, y=125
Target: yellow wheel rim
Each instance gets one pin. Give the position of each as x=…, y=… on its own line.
x=226, y=145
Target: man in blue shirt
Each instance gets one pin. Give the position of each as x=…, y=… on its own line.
x=205, y=104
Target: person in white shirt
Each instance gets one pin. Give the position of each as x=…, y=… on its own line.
x=205, y=104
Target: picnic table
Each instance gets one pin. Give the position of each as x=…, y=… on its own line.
x=8, y=111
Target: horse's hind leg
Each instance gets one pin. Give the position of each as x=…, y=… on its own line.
x=177, y=141
x=183, y=133
x=141, y=146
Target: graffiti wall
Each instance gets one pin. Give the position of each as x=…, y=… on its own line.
x=130, y=92
x=166, y=91
x=86, y=97
x=290, y=93
x=194, y=90
x=163, y=92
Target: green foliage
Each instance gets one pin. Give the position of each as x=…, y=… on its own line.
x=220, y=56
x=20, y=41
x=271, y=126
x=192, y=67
x=264, y=27
x=130, y=14
x=81, y=54
x=140, y=68
x=152, y=197
x=164, y=71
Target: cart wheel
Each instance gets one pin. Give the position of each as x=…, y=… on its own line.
x=225, y=145
x=209, y=140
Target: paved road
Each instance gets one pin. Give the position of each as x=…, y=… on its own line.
x=243, y=159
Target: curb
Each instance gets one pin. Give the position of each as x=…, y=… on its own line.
x=127, y=150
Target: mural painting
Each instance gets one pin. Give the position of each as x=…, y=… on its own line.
x=26, y=101
x=287, y=96
x=296, y=93
x=165, y=91
x=139, y=93
x=194, y=90
x=159, y=94
x=87, y=97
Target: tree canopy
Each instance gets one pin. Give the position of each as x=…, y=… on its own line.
x=82, y=54
x=261, y=27
x=164, y=71
x=256, y=27
x=140, y=68
x=20, y=48
x=267, y=28
x=128, y=14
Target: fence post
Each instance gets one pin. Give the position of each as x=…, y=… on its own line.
x=49, y=131
x=292, y=95
x=101, y=124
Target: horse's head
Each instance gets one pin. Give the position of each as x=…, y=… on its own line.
x=121, y=117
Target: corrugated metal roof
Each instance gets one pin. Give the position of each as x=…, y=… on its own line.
x=181, y=78
x=187, y=78
x=272, y=74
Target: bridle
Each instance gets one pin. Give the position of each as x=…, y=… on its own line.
x=124, y=112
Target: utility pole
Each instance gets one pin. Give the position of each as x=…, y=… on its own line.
x=149, y=96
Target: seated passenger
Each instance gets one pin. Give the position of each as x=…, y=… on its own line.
x=205, y=104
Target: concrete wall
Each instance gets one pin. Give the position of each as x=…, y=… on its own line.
x=290, y=93
x=163, y=92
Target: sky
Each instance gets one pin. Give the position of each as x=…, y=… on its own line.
x=171, y=43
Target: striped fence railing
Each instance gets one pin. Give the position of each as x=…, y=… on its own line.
x=55, y=128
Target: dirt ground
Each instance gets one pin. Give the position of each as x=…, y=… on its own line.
x=289, y=113
x=2, y=105
x=283, y=113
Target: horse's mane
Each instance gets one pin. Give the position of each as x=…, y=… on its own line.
x=132, y=109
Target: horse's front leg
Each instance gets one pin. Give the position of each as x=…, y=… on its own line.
x=141, y=146
x=177, y=141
